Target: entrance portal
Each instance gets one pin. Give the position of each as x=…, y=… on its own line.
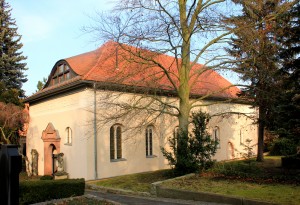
x=51, y=146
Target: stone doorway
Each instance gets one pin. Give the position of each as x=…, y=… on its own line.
x=51, y=146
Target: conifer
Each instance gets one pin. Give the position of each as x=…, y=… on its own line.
x=255, y=47
x=12, y=65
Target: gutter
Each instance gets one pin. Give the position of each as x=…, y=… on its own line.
x=95, y=133
x=78, y=82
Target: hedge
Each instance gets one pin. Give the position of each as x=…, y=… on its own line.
x=45, y=190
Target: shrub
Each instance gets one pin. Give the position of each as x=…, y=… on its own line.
x=45, y=190
x=248, y=151
x=46, y=177
x=192, y=152
x=283, y=146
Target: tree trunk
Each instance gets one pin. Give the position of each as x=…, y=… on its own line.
x=184, y=105
x=181, y=166
x=184, y=116
x=261, y=128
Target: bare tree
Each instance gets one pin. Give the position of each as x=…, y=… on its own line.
x=12, y=119
x=145, y=34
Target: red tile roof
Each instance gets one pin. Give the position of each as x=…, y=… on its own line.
x=119, y=64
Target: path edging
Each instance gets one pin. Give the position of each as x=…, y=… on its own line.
x=114, y=190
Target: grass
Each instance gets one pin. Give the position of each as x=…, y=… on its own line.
x=135, y=182
x=276, y=193
x=270, y=162
x=264, y=181
x=269, y=171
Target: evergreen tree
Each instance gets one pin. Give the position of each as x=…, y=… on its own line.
x=12, y=64
x=287, y=113
x=41, y=84
x=200, y=147
x=255, y=48
x=9, y=95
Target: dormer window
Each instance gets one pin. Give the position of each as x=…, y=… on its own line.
x=61, y=74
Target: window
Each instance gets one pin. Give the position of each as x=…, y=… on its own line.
x=68, y=136
x=54, y=81
x=115, y=142
x=67, y=75
x=216, y=136
x=175, y=137
x=241, y=138
x=61, y=74
x=61, y=69
x=149, y=141
x=61, y=78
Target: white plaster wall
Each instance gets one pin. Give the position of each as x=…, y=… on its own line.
x=231, y=127
x=63, y=111
x=234, y=128
x=133, y=146
x=76, y=111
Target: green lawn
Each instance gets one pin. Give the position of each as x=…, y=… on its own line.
x=264, y=181
x=276, y=193
x=135, y=182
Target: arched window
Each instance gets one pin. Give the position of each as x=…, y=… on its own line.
x=216, y=136
x=68, y=132
x=115, y=142
x=175, y=137
x=241, y=138
x=61, y=74
x=149, y=141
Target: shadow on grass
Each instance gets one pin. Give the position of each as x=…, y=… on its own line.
x=269, y=171
x=140, y=182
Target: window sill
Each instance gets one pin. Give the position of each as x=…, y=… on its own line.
x=68, y=144
x=151, y=156
x=117, y=160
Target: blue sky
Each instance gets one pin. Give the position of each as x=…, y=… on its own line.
x=51, y=30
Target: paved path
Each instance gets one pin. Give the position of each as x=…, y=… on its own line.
x=138, y=200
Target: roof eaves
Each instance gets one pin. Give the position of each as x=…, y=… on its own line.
x=159, y=92
x=51, y=91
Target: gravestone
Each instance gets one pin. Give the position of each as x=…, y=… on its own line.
x=34, y=155
x=10, y=168
x=60, y=174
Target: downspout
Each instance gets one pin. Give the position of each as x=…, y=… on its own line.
x=95, y=133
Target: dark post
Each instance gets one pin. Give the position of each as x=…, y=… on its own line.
x=10, y=168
